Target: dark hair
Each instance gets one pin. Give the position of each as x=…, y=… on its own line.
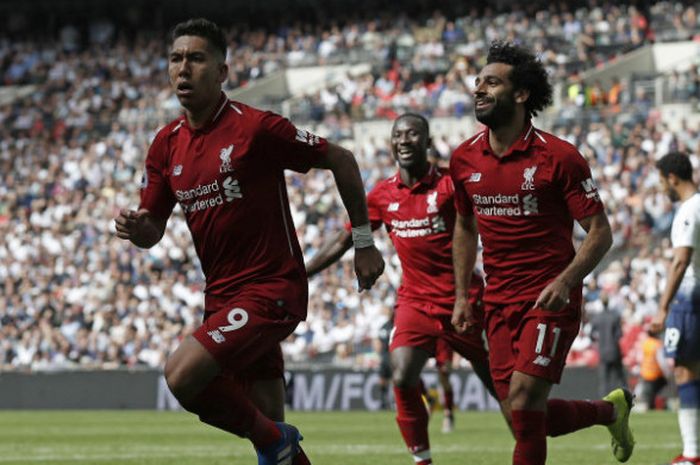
x=528, y=73
x=417, y=116
x=204, y=28
x=676, y=163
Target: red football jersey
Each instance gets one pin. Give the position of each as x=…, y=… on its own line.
x=228, y=178
x=420, y=220
x=525, y=203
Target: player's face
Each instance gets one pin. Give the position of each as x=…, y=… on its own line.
x=409, y=142
x=196, y=72
x=667, y=186
x=494, y=97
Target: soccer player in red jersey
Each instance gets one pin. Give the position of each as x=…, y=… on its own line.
x=224, y=163
x=416, y=205
x=521, y=189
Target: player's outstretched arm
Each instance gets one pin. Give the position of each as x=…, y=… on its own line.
x=329, y=253
x=464, y=246
x=369, y=264
x=139, y=227
x=594, y=246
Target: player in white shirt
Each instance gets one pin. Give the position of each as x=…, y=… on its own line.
x=679, y=306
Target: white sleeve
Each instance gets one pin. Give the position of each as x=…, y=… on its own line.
x=685, y=229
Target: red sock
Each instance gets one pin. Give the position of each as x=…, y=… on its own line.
x=449, y=400
x=566, y=416
x=225, y=405
x=412, y=419
x=301, y=458
x=530, y=437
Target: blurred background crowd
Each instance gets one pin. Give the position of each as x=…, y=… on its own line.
x=80, y=105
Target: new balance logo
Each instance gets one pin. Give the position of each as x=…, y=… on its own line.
x=475, y=177
x=393, y=207
x=543, y=361
x=177, y=171
x=216, y=336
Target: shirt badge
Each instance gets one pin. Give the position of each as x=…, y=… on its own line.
x=225, y=156
x=529, y=175
x=177, y=171
x=432, y=202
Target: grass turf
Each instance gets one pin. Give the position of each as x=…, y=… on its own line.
x=331, y=438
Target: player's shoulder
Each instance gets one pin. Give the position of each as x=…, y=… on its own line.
x=385, y=185
x=553, y=146
x=243, y=113
x=167, y=132
x=473, y=144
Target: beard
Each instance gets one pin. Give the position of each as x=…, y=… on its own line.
x=673, y=195
x=500, y=113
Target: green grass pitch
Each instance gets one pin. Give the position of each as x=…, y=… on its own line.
x=331, y=438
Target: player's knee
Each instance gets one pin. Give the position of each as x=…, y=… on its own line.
x=520, y=397
x=176, y=378
x=401, y=379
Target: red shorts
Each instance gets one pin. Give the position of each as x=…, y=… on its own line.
x=443, y=353
x=244, y=334
x=529, y=340
x=422, y=324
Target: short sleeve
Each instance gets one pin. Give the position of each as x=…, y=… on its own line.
x=577, y=184
x=156, y=194
x=685, y=231
x=292, y=148
x=463, y=203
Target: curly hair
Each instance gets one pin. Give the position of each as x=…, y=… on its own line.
x=676, y=163
x=204, y=28
x=528, y=73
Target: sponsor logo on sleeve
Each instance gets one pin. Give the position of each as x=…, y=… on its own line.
x=307, y=138
x=591, y=189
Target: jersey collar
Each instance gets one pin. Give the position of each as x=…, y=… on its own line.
x=428, y=178
x=521, y=144
x=220, y=110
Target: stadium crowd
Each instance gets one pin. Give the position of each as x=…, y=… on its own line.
x=71, y=155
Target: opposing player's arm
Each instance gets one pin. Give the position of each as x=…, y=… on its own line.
x=464, y=248
x=594, y=246
x=369, y=264
x=330, y=252
x=140, y=227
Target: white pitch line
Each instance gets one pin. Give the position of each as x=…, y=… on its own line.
x=347, y=449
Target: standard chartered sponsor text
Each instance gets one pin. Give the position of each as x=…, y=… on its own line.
x=498, y=199
x=202, y=189
x=200, y=204
x=502, y=205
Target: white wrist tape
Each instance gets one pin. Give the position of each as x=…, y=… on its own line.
x=362, y=236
